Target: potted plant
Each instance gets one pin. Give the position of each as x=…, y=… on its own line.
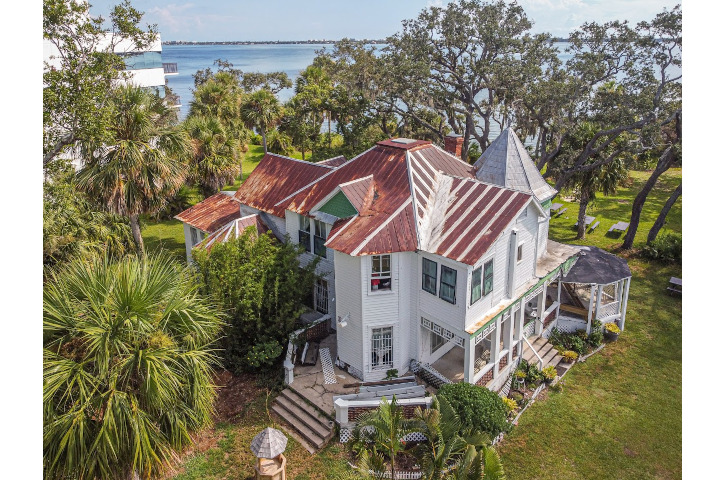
x=611, y=331
x=549, y=374
x=570, y=356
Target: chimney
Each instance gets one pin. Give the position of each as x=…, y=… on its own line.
x=454, y=144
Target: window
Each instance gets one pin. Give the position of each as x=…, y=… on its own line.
x=320, y=237
x=448, y=284
x=382, y=348
x=487, y=277
x=380, y=276
x=430, y=275
x=476, y=285
x=321, y=296
x=304, y=232
x=436, y=342
x=520, y=253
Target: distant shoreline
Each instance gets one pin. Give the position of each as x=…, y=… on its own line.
x=268, y=42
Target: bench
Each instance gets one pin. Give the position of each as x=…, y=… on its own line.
x=561, y=212
x=311, y=353
x=618, y=227
x=596, y=224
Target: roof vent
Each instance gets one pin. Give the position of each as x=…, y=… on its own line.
x=405, y=141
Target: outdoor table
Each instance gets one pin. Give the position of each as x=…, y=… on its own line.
x=619, y=226
x=675, y=286
x=556, y=206
x=587, y=221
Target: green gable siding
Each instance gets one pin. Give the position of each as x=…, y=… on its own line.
x=339, y=206
x=546, y=205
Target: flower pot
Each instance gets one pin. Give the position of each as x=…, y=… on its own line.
x=611, y=336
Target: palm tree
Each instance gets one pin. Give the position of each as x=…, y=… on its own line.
x=605, y=180
x=381, y=432
x=214, y=156
x=261, y=110
x=127, y=366
x=142, y=166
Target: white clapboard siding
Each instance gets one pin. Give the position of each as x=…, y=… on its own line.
x=527, y=228
x=433, y=307
x=348, y=281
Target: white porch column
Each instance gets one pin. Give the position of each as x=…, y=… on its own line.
x=540, y=308
x=591, y=306
x=469, y=357
x=599, y=301
x=625, y=296
x=520, y=318
x=496, y=346
x=558, y=297
x=508, y=336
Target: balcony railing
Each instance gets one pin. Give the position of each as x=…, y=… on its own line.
x=170, y=68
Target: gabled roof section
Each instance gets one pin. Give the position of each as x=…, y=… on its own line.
x=507, y=163
x=211, y=213
x=275, y=178
x=333, y=162
x=234, y=229
x=359, y=192
x=339, y=206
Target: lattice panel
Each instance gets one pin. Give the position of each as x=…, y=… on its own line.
x=414, y=437
x=484, y=333
x=327, y=369
x=529, y=329
x=441, y=331
x=536, y=292
x=345, y=435
x=487, y=377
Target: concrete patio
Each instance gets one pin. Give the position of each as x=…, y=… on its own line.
x=450, y=365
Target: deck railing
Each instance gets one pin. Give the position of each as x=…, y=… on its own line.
x=170, y=68
x=607, y=310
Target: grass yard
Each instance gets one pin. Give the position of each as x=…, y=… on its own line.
x=167, y=235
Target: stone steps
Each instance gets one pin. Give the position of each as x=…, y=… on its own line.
x=314, y=427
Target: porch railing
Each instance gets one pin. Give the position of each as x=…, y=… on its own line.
x=316, y=330
x=607, y=310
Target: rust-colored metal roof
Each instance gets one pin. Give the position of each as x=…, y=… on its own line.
x=275, y=178
x=334, y=161
x=232, y=230
x=211, y=213
x=359, y=192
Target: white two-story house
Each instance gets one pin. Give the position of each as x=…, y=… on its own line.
x=426, y=260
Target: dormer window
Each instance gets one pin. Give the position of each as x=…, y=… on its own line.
x=380, y=278
x=320, y=238
x=304, y=232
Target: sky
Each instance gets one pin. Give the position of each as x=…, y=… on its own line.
x=255, y=20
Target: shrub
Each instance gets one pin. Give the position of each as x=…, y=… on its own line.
x=612, y=328
x=511, y=404
x=264, y=354
x=666, y=248
x=569, y=341
x=596, y=337
x=517, y=397
x=549, y=373
x=477, y=407
x=570, y=356
x=531, y=373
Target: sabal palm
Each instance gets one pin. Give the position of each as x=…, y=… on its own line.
x=143, y=165
x=448, y=442
x=127, y=366
x=261, y=110
x=382, y=431
x=214, y=153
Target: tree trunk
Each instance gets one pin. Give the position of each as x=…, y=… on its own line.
x=662, y=165
x=660, y=222
x=581, y=227
x=329, y=131
x=136, y=231
x=264, y=140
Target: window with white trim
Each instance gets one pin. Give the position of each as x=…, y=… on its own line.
x=476, y=285
x=382, y=348
x=380, y=278
x=430, y=276
x=487, y=277
x=321, y=302
x=304, y=232
x=320, y=238
x=520, y=253
x=448, y=284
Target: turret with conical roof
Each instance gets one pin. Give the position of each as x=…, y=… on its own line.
x=507, y=163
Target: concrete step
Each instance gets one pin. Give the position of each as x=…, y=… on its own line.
x=300, y=414
x=297, y=399
x=308, y=434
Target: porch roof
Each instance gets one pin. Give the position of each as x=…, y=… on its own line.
x=597, y=266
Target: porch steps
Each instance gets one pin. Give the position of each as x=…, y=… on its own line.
x=546, y=351
x=306, y=420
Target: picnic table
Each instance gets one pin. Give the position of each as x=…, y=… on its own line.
x=675, y=286
x=619, y=226
x=556, y=206
x=587, y=221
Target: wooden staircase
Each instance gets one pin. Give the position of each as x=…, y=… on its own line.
x=546, y=351
x=305, y=420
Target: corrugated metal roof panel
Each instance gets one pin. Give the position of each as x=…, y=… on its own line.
x=211, y=213
x=233, y=229
x=275, y=178
x=333, y=162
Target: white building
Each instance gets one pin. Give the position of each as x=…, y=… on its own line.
x=428, y=263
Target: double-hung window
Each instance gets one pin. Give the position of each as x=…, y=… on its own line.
x=448, y=284
x=320, y=238
x=321, y=303
x=380, y=278
x=304, y=232
x=487, y=277
x=476, y=285
x=430, y=276
x=520, y=253
x=382, y=348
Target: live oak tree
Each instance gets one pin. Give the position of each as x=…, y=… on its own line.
x=83, y=70
x=127, y=367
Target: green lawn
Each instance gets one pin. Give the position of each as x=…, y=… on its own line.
x=618, y=415
x=167, y=235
